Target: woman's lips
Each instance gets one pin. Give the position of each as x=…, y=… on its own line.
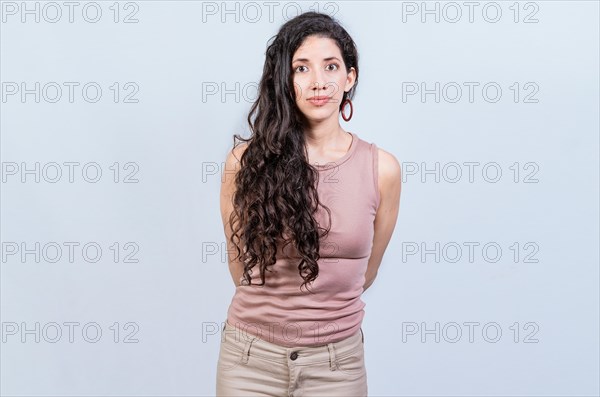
x=319, y=100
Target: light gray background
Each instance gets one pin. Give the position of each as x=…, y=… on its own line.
x=179, y=290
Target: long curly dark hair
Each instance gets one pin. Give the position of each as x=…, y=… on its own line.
x=275, y=188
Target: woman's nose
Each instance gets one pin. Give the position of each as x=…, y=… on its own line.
x=318, y=79
x=321, y=84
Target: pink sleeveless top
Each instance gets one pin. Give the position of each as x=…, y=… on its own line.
x=279, y=312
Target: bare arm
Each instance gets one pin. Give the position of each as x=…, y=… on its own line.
x=390, y=185
x=232, y=165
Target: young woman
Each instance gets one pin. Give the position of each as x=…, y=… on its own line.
x=308, y=210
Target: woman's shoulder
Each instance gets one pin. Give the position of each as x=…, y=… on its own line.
x=234, y=155
x=388, y=164
x=389, y=169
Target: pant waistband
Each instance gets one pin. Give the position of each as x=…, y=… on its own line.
x=250, y=345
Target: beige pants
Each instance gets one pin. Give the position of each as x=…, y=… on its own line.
x=250, y=366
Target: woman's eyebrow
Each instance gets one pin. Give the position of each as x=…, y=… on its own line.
x=306, y=60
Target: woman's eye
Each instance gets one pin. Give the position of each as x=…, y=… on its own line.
x=336, y=67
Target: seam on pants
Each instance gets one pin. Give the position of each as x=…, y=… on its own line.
x=246, y=352
x=332, y=357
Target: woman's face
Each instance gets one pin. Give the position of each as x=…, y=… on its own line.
x=319, y=71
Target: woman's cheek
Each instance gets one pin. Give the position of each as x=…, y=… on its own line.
x=339, y=93
x=297, y=91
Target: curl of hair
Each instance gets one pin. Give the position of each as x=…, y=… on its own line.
x=275, y=188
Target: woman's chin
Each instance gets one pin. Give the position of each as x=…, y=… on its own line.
x=318, y=113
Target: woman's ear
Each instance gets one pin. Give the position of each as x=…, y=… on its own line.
x=351, y=79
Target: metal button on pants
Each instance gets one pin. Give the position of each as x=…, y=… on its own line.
x=250, y=366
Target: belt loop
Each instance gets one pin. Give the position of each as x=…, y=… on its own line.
x=246, y=351
x=362, y=334
x=332, y=357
